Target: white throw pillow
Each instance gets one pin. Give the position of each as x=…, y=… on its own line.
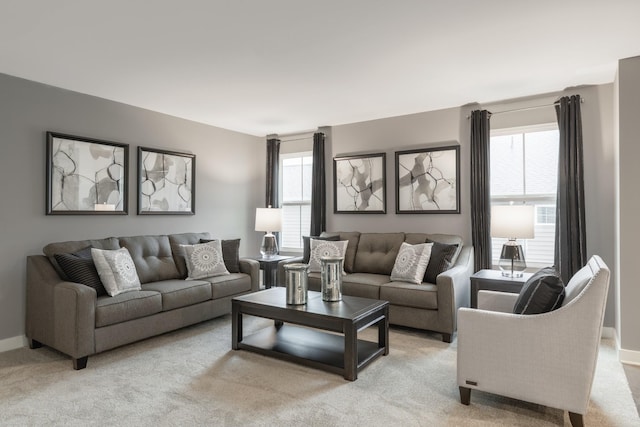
x=320, y=248
x=204, y=260
x=411, y=263
x=116, y=269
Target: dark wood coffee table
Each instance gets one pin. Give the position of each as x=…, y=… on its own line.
x=298, y=332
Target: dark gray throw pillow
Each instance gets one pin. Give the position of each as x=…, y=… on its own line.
x=79, y=268
x=542, y=293
x=441, y=256
x=230, y=253
x=306, y=245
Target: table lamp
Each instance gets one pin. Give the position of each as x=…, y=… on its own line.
x=269, y=220
x=512, y=222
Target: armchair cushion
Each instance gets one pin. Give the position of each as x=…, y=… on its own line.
x=543, y=292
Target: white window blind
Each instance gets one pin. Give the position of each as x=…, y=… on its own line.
x=296, y=171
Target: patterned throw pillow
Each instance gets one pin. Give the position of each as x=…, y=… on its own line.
x=321, y=248
x=306, y=245
x=230, y=253
x=79, y=268
x=116, y=270
x=411, y=262
x=204, y=260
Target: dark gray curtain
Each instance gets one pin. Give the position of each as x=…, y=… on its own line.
x=480, y=189
x=318, y=187
x=273, y=166
x=571, y=239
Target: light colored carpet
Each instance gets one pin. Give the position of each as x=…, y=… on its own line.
x=192, y=377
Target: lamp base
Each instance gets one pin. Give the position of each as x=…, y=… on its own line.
x=269, y=246
x=512, y=261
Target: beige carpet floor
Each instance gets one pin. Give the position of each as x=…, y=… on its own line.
x=192, y=377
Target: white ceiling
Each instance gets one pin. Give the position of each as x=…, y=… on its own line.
x=283, y=66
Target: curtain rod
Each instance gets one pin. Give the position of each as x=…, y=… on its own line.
x=534, y=107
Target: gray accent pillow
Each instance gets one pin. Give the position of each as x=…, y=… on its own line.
x=204, y=260
x=411, y=262
x=80, y=268
x=543, y=292
x=116, y=270
x=321, y=248
x=230, y=253
x=441, y=260
x=306, y=245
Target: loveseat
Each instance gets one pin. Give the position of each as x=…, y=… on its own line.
x=368, y=263
x=79, y=320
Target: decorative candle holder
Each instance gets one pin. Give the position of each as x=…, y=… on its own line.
x=296, y=282
x=331, y=277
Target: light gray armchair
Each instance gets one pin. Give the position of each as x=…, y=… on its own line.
x=547, y=359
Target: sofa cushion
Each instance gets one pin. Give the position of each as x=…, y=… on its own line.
x=52, y=249
x=306, y=245
x=127, y=306
x=176, y=240
x=411, y=262
x=364, y=285
x=377, y=252
x=116, y=270
x=178, y=293
x=232, y=284
x=230, y=253
x=80, y=268
x=543, y=292
x=423, y=296
x=325, y=248
x=152, y=257
x=350, y=255
x=441, y=260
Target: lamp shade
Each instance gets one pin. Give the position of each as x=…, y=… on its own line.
x=512, y=221
x=268, y=219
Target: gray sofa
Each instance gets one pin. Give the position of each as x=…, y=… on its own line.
x=368, y=263
x=73, y=319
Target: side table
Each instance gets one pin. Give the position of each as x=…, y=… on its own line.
x=270, y=268
x=493, y=280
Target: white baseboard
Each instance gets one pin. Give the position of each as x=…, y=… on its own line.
x=609, y=333
x=630, y=357
x=13, y=343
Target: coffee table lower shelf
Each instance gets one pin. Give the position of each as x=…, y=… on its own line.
x=309, y=347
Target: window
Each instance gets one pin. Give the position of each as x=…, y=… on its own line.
x=296, y=198
x=524, y=169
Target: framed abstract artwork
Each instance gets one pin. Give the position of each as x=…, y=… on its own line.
x=427, y=180
x=166, y=182
x=86, y=176
x=359, y=184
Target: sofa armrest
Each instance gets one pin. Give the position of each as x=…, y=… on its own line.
x=60, y=314
x=280, y=274
x=252, y=268
x=454, y=290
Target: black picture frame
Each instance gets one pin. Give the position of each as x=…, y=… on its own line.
x=166, y=182
x=86, y=176
x=428, y=180
x=360, y=184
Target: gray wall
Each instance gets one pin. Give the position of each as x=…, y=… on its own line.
x=451, y=126
x=230, y=170
x=628, y=110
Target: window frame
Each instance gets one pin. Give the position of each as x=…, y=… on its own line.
x=283, y=157
x=545, y=200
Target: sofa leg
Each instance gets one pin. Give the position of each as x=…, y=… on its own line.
x=577, y=420
x=33, y=344
x=465, y=395
x=446, y=338
x=80, y=363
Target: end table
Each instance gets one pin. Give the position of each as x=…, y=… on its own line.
x=493, y=280
x=270, y=268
